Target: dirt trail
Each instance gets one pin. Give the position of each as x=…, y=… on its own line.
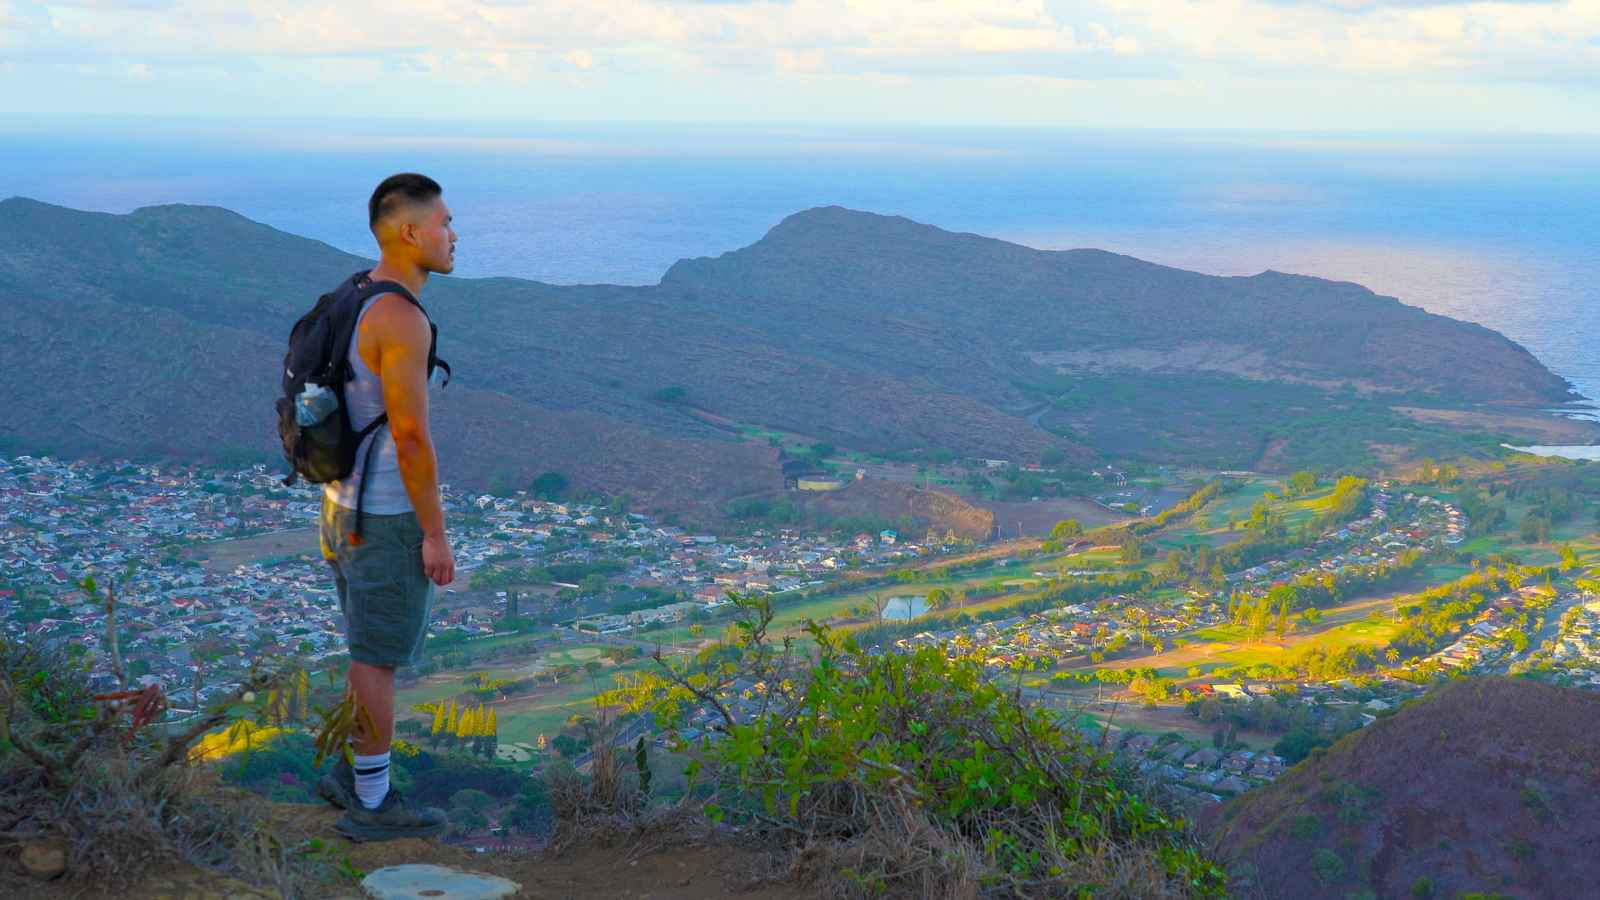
x=584, y=873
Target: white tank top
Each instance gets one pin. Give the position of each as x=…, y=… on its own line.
x=386, y=493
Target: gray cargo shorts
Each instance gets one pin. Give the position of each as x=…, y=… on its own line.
x=386, y=598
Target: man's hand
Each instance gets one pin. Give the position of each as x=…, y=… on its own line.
x=437, y=560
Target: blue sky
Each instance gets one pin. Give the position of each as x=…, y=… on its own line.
x=1289, y=64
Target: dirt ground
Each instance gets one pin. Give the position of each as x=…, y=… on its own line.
x=1038, y=517
x=225, y=555
x=1533, y=424
x=583, y=873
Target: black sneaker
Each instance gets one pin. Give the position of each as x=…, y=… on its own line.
x=394, y=818
x=339, y=785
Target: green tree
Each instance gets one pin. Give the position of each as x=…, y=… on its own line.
x=1172, y=566
x=1535, y=529
x=1297, y=745
x=550, y=485
x=1133, y=551
x=470, y=798
x=1422, y=888
x=1303, y=482
x=1328, y=868
x=467, y=821
x=1065, y=529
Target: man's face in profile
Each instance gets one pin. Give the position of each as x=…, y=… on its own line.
x=435, y=239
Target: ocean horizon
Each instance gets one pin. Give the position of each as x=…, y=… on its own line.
x=1502, y=230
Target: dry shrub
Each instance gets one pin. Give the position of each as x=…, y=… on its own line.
x=116, y=828
x=899, y=853
x=607, y=807
x=93, y=776
x=603, y=806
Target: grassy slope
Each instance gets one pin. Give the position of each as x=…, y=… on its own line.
x=1447, y=789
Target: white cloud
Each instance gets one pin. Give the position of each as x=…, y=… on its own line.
x=747, y=45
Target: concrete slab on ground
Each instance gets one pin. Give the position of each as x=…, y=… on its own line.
x=426, y=882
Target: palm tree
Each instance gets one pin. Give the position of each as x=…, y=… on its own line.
x=1393, y=655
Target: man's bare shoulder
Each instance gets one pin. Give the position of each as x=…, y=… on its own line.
x=393, y=317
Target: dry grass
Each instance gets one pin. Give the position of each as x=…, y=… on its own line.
x=85, y=774
x=117, y=828
x=606, y=806
x=899, y=853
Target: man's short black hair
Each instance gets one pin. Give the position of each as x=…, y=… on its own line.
x=405, y=189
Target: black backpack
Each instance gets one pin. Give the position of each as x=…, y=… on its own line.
x=319, y=348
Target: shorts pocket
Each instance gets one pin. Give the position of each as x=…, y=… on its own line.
x=385, y=621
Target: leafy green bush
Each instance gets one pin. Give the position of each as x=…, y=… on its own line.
x=1422, y=888
x=1328, y=868
x=552, y=485
x=1307, y=827
x=917, y=776
x=1297, y=745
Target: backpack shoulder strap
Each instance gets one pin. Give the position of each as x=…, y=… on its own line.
x=374, y=288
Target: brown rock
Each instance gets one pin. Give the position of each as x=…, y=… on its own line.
x=44, y=861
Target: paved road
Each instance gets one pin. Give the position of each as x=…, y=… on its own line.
x=1033, y=418
x=1552, y=627
x=618, y=640
x=1552, y=623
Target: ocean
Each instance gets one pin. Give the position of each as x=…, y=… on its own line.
x=1503, y=230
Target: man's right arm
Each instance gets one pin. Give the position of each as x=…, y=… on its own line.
x=403, y=339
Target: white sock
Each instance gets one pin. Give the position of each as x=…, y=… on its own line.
x=372, y=779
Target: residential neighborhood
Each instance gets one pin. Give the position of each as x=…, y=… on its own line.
x=195, y=625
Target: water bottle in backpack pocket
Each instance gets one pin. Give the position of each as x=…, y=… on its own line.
x=313, y=404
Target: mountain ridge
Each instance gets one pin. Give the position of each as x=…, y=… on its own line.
x=869, y=331
x=802, y=257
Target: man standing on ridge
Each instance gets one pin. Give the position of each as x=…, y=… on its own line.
x=386, y=570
